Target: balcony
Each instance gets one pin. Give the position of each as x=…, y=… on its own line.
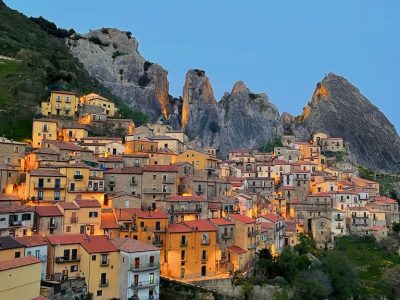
x=339, y=227
x=15, y=223
x=206, y=242
x=253, y=233
x=184, y=243
x=47, y=187
x=159, y=230
x=339, y=218
x=103, y=283
x=195, y=210
x=78, y=177
x=226, y=236
x=252, y=246
x=53, y=225
x=104, y=262
x=111, y=183
x=158, y=243
x=145, y=266
x=157, y=191
x=144, y=285
x=359, y=217
x=74, y=219
x=95, y=189
x=61, y=259
x=204, y=259
x=168, y=181
x=133, y=183
x=128, y=228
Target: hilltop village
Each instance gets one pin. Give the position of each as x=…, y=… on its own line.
x=96, y=205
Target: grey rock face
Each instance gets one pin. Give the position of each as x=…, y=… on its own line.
x=339, y=109
x=240, y=119
x=112, y=57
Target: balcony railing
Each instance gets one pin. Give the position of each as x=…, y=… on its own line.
x=128, y=228
x=157, y=191
x=74, y=219
x=253, y=233
x=159, y=229
x=144, y=284
x=15, y=223
x=204, y=259
x=145, y=266
x=111, y=183
x=95, y=189
x=103, y=283
x=53, y=225
x=184, y=243
x=104, y=262
x=78, y=177
x=226, y=236
x=62, y=259
x=339, y=218
x=48, y=187
x=206, y=242
x=168, y=181
x=158, y=243
x=133, y=183
x=185, y=210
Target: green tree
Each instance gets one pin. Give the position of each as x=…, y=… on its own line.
x=342, y=273
x=306, y=245
x=309, y=289
x=269, y=146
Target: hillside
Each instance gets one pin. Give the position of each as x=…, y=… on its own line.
x=42, y=63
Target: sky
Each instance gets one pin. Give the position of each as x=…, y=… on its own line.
x=282, y=48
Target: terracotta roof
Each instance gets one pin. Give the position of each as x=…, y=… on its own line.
x=272, y=217
x=98, y=244
x=323, y=194
x=40, y=297
x=266, y=225
x=45, y=151
x=48, y=211
x=160, y=168
x=87, y=203
x=6, y=197
x=110, y=159
x=221, y=221
x=143, y=155
x=7, y=242
x=46, y=172
x=376, y=228
x=126, y=214
x=386, y=200
x=132, y=246
x=68, y=205
x=242, y=218
x=66, y=239
x=45, y=120
x=176, y=228
x=280, y=162
x=127, y=170
x=237, y=249
x=16, y=208
x=65, y=146
x=145, y=214
x=32, y=241
x=200, y=225
x=214, y=205
x=18, y=262
x=63, y=92
x=185, y=198
x=108, y=221
x=102, y=138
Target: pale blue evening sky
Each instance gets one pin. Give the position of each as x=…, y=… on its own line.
x=282, y=48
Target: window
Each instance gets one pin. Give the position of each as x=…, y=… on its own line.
x=56, y=195
x=17, y=254
x=74, y=268
x=26, y=217
x=29, y=253
x=183, y=255
x=93, y=257
x=68, y=229
x=151, y=278
x=154, y=177
x=93, y=214
x=99, y=293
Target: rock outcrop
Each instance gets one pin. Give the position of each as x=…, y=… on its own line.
x=112, y=57
x=240, y=119
x=339, y=109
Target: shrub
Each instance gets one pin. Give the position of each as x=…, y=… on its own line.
x=96, y=40
x=118, y=53
x=146, y=65
x=253, y=96
x=213, y=126
x=51, y=28
x=144, y=80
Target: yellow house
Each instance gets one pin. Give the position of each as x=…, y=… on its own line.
x=201, y=160
x=89, y=216
x=73, y=133
x=60, y=103
x=96, y=100
x=43, y=129
x=10, y=249
x=45, y=185
x=20, y=278
x=191, y=250
x=100, y=266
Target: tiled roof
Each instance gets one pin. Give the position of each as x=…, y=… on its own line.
x=200, y=225
x=18, y=262
x=376, y=228
x=127, y=170
x=40, y=297
x=126, y=214
x=142, y=155
x=108, y=221
x=110, y=159
x=65, y=146
x=176, y=198
x=236, y=249
x=214, y=205
x=16, y=208
x=145, y=214
x=32, y=241
x=7, y=242
x=221, y=221
x=132, y=246
x=87, y=203
x=242, y=218
x=323, y=194
x=272, y=217
x=45, y=151
x=177, y=228
x=6, y=197
x=48, y=211
x=160, y=168
x=46, y=172
x=386, y=200
x=98, y=244
x=66, y=239
x=266, y=226
x=68, y=205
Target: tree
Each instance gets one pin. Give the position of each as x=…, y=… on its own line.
x=269, y=146
x=342, y=273
x=291, y=263
x=309, y=289
x=392, y=280
x=266, y=265
x=306, y=245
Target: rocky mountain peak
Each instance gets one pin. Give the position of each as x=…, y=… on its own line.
x=239, y=87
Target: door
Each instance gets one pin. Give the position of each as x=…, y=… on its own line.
x=74, y=254
x=40, y=182
x=136, y=279
x=203, y=270
x=66, y=254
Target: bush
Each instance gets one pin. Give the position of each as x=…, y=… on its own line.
x=118, y=53
x=146, y=65
x=214, y=127
x=144, y=80
x=253, y=96
x=96, y=40
x=51, y=28
x=269, y=146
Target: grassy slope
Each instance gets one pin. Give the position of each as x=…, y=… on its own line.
x=46, y=64
x=370, y=261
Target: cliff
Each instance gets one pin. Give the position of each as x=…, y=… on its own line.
x=339, y=109
x=112, y=57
